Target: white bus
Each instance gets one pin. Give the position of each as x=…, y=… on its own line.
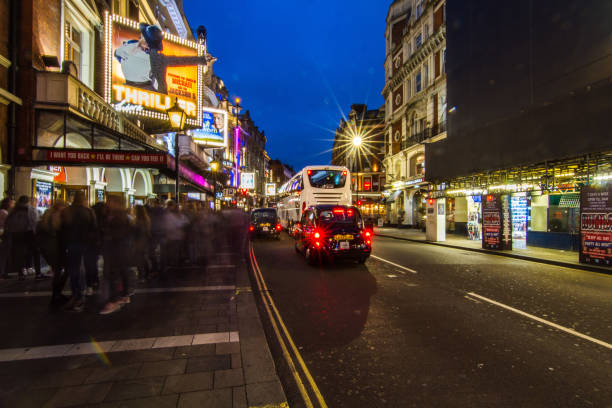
x=313, y=185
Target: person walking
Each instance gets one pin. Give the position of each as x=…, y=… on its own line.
x=116, y=250
x=157, y=215
x=78, y=230
x=20, y=225
x=48, y=232
x=142, y=238
x=5, y=243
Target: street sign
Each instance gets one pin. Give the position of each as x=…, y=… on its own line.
x=270, y=189
x=247, y=180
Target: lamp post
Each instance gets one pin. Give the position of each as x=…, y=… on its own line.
x=177, y=118
x=214, y=166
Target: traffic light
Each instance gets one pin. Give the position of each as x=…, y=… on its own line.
x=358, y=202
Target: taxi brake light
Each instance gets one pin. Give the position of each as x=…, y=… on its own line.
x=344, y=173
x=338, y=210
x=251, y=228
x=278, y=227
x=367, y=234
x=317, y=235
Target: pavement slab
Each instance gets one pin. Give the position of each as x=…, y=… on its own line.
x=198, y=381
x=221, y=398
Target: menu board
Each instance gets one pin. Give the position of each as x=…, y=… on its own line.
x=596, y=225
x=496, y=222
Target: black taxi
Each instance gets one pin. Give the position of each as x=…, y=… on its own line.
x=264, y=222
x=333, y=232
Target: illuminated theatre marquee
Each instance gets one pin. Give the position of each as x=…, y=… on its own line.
x=138, y=85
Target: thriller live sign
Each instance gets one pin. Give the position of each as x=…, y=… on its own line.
x=144, y=79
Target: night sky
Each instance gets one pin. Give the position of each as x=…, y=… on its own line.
x=296, y=64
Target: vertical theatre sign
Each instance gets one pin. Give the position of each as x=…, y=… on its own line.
x=496, y=222
x=147, y=69
x=596, y=225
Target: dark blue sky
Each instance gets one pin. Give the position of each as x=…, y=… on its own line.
x=294, y=64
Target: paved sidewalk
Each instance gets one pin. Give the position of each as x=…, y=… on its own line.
x=543, y=255
x=194, y=340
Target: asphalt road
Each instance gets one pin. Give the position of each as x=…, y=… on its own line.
x=378, y=335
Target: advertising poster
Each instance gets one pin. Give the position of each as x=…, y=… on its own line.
x=496, y=222
x=247, y=180
x=148, y=69
x=214, y=129
x=596, y=225
x=270, y=189
x=43, y=193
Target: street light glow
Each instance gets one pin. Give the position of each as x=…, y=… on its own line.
x=357, y=140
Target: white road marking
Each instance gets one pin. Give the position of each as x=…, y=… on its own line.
x=544, y=321
x=472, y=299
x=46, y=293
x=394, y=264
x=64, y=350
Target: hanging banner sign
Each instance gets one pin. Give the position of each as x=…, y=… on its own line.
x=270, y=189
x=247, y=180
x=100, y=157
x=214, y=129
x=147, y=69
x=496, y=222
x=596, y=225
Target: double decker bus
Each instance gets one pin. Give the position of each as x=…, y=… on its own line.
x=313, y=185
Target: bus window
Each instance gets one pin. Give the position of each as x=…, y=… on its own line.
x=327, y=178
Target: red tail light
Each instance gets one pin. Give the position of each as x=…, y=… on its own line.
x=338, y=210
x=367, y=234
x=317, y=235
x=369, y=242
x=251, y=228
x=278, y=227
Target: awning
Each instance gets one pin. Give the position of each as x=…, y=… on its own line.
x=392, y=197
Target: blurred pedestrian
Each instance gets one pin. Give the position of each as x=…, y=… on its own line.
x=48, y=232
x=5, y=243
x=78, y=231
x=116, y=250
x=142, y=238
x=156, y=215
x=174, y=226
x=20, y=224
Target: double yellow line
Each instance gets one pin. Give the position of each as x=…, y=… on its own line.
x=285, y=339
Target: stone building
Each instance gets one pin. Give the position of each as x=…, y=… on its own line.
x=415, y=102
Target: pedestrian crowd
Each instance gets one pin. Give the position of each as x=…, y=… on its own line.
x=77, y=242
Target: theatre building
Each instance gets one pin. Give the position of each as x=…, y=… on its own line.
x=85, y=123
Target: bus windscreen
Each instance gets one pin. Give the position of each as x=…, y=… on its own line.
x=327, y=178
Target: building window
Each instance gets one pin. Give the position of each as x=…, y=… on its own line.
x=426, y=74
x=418, y=41
x=409, y=85
x=419, y=9
x=73, y=45
x=426, y=31
x=417, y=83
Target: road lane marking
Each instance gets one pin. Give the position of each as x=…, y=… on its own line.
x=263, y=288
x=260, y=285
x=45, y=293
x=109, y=346
x=394, y=264
x=544, y=321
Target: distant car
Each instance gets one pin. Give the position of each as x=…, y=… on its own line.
x=333, y=232
x=264, y=222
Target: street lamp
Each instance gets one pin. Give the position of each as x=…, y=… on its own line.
x=177, y=118
x=214, y=166
x=357, y=140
